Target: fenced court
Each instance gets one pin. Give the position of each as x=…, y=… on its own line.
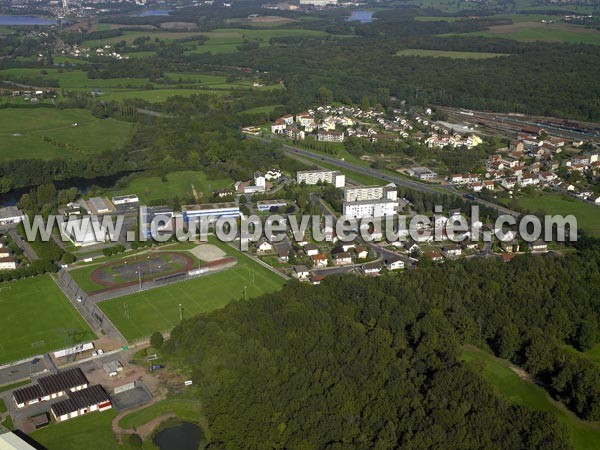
x=37, y=318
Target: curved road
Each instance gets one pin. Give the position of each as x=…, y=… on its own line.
x=400, y=181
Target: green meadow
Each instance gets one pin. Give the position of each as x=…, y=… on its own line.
x=48, y=133
x=511, y=384
x=588, y=215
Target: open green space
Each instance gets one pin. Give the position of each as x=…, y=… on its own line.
x=447, y=54
x=261, y=109
x=538, y=31
x=588, y=215
x=513, y=385
x=92, y=431
x=37, y=318
x=158, y=309
x=184, y=409
x=48, y=133
x=175, y=184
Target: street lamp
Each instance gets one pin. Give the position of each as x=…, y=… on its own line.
x=245, y=293
x=180, y=312
x=139, y=274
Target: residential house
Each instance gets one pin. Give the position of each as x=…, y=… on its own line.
x=538, y=246
x=372, y=268
x=300, y=272
x=510, y=246
x=263, y=246
x=434, y=256
x=394, y=263
x=361, y=252
x=319, y=260
x=452, y=250
x=411, y=247
x=342, y=259
x=311, y=249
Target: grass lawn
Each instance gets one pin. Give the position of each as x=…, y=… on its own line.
x=184, y=409
x=588, y=216
x=158, y=309
x=509, y=384
x=8, y=387
x=260, y=109
x=447, y=54
x=37, y=318
x=47, y=133
x=178, y=184
x=537, y=31
x=92, y=431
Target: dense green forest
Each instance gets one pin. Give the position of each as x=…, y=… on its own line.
x=372, y=363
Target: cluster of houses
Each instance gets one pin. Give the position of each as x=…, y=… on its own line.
x=455, y=140
x=77, y=51
x=529, y=161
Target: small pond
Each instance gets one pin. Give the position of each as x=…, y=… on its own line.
x=185, y=436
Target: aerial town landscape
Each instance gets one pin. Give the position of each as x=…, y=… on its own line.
x=310, y=224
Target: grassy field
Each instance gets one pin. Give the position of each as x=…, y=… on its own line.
x=537, y=31
x=184, y=84
x=92, y=431
x=158, y=309
x=261, y=109
x=37, y=318
x=183, y=408
x=177, y=184
x=48, y=133
x=227, y=40
x=588, y=216
x=506, y=381
x=447, y=54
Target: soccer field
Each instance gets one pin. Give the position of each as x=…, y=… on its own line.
x=37, y=318
x=141, y=314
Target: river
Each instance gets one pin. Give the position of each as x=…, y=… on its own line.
x=361, y=16
x=25, y=20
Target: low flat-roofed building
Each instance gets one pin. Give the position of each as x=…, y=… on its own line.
x=99, y=205
x=50, y=387
x=11, y=441
x=84, y=232
x=126, y=202
x=422, y=173
x=10, y=215
x=266, y=205
x=81, y=402
x=211, y=211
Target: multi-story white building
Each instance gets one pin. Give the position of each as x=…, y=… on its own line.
x=360, y=193
x=370, y=201
x=333, y=177
x=211, y=211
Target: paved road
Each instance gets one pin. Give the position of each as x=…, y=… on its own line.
x=93, y=315
x=400, y=181
x=23, y=245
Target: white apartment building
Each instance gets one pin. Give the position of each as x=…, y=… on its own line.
x=333, y=177
x=370, y=201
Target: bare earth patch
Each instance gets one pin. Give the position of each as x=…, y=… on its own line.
x=207, y=252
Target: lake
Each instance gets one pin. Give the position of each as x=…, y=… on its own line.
x=154, y=12
x=25, y=20
x=361, y=16
x=185, y=436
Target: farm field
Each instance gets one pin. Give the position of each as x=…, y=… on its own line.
x=588, y=216
x=537, y=31
x=122, y=88
x=47, y=133
x=158, y=309
x=522, y=391
x=261, y=109
x=55, y=324
x=447, y=54
x=177, y=184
